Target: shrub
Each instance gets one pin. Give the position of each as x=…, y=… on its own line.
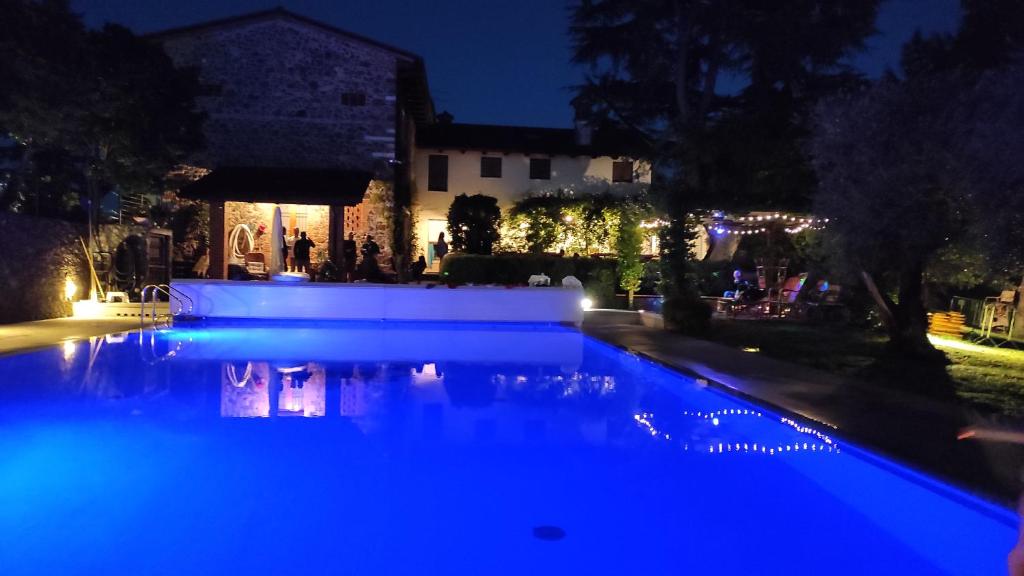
x=713, y=278
x=628, y=241
x=686, y=314
x=35, y=266
x=561, y=220
x=473, y=223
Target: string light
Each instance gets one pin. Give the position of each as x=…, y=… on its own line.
x=748, y=224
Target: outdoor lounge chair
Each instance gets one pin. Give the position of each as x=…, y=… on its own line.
x=998, y=318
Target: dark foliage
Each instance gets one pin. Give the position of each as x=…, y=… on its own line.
x=596, y=274
x=473, y=222
x=92, y=110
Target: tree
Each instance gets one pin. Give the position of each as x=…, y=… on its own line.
x=654, y=65
x=991, y=35
x=892, y=188
x=628, y=247
x=914, y=171
x=473, y=222
x=109, y=105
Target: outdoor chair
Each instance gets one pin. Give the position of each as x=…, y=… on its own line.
x=998, y=318
x=256, y=264
x=825, y=303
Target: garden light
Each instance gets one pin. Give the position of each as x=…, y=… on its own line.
x=586, y=303
x=70, y=289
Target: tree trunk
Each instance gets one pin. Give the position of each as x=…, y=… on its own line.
x=911, y=317
x=884, y=304
x=906, y=321
x=684, y=27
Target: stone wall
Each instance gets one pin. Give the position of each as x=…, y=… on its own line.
x=279, y=91
x=374, y=216
x=38, y=256
x=253, y=214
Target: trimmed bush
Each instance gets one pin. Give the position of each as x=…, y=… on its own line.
x=688, y=315
x=39, y=254
x=473, y=223
x=597, y=274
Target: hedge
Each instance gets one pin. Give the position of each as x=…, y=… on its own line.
x=596, y=274
x=38, y=256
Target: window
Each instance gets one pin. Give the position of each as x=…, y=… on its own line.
x=622, y=171
x=490, y=166
x=437, y=173
x=540, y=168
x=353, y=99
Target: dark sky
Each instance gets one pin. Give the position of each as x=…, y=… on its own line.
x=489, y=61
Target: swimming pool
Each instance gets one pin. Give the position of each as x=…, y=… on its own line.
x=432, y=448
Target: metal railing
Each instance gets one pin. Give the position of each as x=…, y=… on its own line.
x=149, y=294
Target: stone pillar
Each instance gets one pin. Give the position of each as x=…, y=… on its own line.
x=218, y=241
x=336, y=238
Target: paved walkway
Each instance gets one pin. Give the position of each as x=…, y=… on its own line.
x=30, y=335
x=916, y=430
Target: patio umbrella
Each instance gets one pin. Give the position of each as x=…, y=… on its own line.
x=276, y=244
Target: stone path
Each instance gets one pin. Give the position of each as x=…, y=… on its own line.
x=918, y=431
x=30, y=335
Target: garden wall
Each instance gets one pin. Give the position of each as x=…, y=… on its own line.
x=596, y=274
x=37, y=255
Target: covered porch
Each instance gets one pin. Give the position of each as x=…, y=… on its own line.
x=242, y=202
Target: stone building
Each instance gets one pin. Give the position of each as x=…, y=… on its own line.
x=303, y=115
x=339, y=130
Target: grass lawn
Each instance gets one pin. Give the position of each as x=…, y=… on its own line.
x=990, y=379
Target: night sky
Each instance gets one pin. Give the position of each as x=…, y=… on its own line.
x=489, y=61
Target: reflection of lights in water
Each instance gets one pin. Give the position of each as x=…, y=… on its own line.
x=233, y=375
x=735, y=411
x=806, y=430
x=646, y=421
x=69, y=350
x=751, y=349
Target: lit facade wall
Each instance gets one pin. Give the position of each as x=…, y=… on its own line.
x=312, y=219
x=580, y=174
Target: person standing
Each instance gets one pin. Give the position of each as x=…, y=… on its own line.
x=440, y=247
x=369, y=268
x=285, y=245
x=289, y=242
x=348, y=248
x=301, y=253
x=370, y=248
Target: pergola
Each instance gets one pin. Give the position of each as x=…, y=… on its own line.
x=335, y=188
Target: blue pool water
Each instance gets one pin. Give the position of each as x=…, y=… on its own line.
x=376, y=448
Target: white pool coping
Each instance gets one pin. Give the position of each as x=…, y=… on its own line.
x=363, y=301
